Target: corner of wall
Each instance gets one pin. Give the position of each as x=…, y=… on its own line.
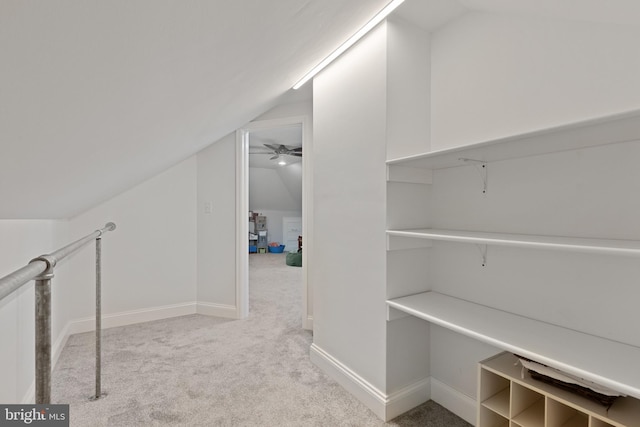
x=385, y=406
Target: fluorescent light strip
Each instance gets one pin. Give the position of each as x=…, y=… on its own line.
x=352, y=40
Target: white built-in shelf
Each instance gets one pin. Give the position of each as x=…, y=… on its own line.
x=622, y=127
x=609, y=363
x=575, y=244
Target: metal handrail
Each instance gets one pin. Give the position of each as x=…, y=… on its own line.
x=41, y=269
x=13, y=281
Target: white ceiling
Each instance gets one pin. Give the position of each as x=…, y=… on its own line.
x=97, y=96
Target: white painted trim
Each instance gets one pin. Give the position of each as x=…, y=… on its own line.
x=308, y=323
x=459, y=403
x=307, y=221
x=242, y=209
x=408, y=398
x=132, y=317
x=217, y=310
x=397, y=173
x=364, y=391
x=242, y=223
x=384, y=406
x=29, y=397
x=58, y=346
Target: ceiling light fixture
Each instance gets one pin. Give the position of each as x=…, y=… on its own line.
x=282, y=163
x=352, y=40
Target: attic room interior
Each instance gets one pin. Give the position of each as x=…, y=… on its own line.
x=466, y=195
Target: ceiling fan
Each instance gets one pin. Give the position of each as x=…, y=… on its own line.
x=278, y=150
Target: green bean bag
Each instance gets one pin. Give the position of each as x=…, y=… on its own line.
x=294, y=259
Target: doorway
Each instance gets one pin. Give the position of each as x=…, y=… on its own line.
x=280, y=162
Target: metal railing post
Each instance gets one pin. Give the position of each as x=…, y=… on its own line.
x=43, y=331
x=98, y=317
x=41, y=270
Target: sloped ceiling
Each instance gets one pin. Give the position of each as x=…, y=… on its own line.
x=273, y=186
x=97, y=96
x=276, y=189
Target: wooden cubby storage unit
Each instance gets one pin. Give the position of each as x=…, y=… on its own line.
x=507, y=398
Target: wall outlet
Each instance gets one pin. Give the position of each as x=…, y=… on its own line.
x=208, y=207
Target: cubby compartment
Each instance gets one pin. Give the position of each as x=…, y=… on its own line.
x=595, y=422
x=495, y=393
x=560, y=415
x=491, y=419
x=527, y=406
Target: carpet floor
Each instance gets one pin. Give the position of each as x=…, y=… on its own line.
x=205, y=371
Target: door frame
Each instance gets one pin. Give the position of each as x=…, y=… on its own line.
x=242, y=210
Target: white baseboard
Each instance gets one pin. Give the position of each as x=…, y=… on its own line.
x=456, y=402
x=384, y=406
x=132, y=317
x=408, y=398
x=373, y=398
x=30, y=396
x=217, y=310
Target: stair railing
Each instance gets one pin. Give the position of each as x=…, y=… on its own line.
x=41, y=270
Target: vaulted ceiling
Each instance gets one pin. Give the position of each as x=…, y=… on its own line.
x=99, y=95
x=96, y=96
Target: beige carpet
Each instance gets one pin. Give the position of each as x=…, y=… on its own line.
x=204, y=371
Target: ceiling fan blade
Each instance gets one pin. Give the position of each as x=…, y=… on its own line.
x=275, y=157
x=272, y=147
x=295, y=154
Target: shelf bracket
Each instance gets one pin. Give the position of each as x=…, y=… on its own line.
x=483, y=253
x=483, y=170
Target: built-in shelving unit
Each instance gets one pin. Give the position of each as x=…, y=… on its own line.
x=623, y=127
x=602, y=361
x=510, y=397
x=505, y=400
x=603, y=246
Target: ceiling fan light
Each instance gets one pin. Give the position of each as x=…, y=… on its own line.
x=282, y=163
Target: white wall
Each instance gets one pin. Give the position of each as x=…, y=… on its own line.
x=349, y=105
x=149, y=261
x=494, y=76
x=498, y=75
x=358, y=121
x=22, y=240
x=216, y=230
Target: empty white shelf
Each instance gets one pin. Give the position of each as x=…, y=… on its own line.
x=609, y=363
x=623, y=127
x=575, y=244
